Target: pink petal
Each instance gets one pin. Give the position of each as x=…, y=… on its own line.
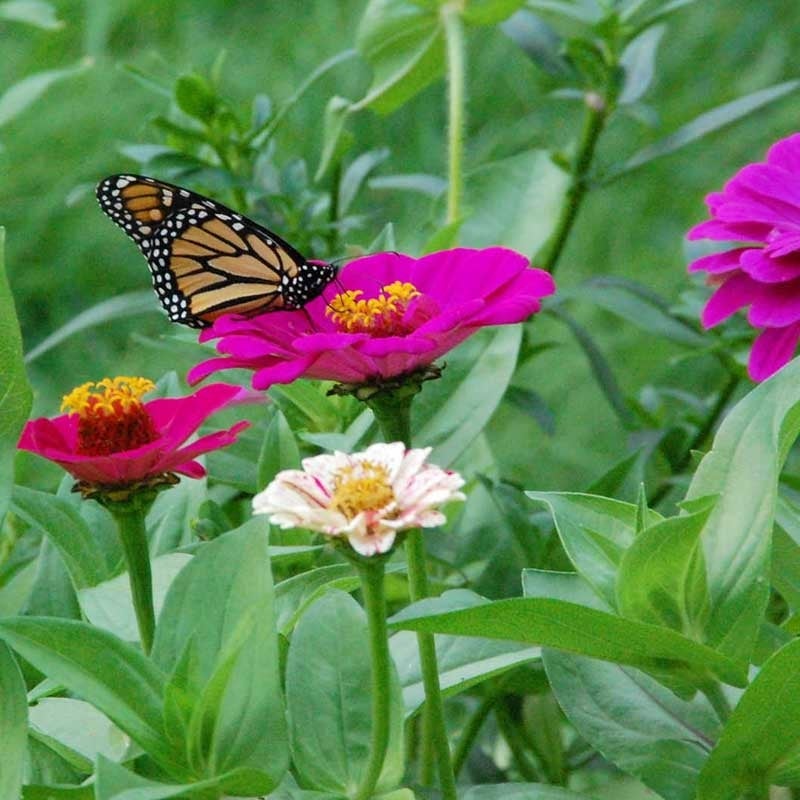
x=786, y=153
x=761, y=267
x=773, y=348
x=717, y=263
x=775, y=305
x=281, y=372
x=729, y=231
x=324, y=342
x=737, y=292
x=205, y=444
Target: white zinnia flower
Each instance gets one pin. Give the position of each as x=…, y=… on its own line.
x=367, y=497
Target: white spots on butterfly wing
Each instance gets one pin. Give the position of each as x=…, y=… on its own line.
x=122, y=182
x=237, y=226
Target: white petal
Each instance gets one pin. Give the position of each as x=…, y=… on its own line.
x=373, y=543
x=388, y=455
x=413, y=462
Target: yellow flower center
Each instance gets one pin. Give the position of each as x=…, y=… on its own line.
x=111, y=416
x=377, y=316
x=363, y=486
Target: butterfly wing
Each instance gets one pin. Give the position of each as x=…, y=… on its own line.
x=205, y=259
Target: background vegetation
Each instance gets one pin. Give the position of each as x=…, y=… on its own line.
x=63, y=256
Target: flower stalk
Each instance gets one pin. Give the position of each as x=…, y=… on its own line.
x=454, y=37
x=594, y=122
x=129, y=517
x=393, y=412
x=371, y=573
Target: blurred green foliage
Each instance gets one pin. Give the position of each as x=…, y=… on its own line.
x=63, y=256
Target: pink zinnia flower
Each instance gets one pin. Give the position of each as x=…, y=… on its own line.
x=760, y=207
x=110, y=439
x=393, y=315
x=366, y=497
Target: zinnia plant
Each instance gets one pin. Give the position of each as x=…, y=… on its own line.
x=123, y=450
x=366, y=498
x=759, y=207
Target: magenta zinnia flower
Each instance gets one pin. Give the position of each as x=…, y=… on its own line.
x=366, y=498
x=760, y=207
x=394, y=314
x=111, y=439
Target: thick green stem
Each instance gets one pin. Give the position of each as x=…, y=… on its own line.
x=393, y=412
x=596, y=115
x=470, y=733
x=371, y=574
x=132, y=534
x=454, y=36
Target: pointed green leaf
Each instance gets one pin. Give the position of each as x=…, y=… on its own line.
x=13, y=726
x=15, y=392
x=762, y=731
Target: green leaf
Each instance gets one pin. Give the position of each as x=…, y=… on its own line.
x=327, y=675
x=452, y=411
x=336, y=139
x=113, y=676
x=57, y=519
x=515, y=202
x=196, y=97
x=15, y=392
x=762, y=731
x=636, y=723
x=53, y=592
x=489, y=12
x=567, y=586
x=539, y=41
x=703, y=125
x=279, y=450
x=356, y=173
x=463, y=662
x=404, y=44
x=114, y=782
x=521, y=791
x=595, y=532
x=109, y=606
x=78, y=726
x=226, y=583
x=600, y=366
x=639, y=62
x=13, y=725
x=570, y=627
x=662, y=575
x=32, y=12
x=637, y=305
x=129, y=304
x=21, y=95
x=743, y=468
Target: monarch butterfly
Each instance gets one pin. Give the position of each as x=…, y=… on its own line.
x=205, y=259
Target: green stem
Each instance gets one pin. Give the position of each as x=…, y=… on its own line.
x=470, y=733
x=516, y=742
x=434, y=707
x=132, y=534
x=714, y=694
x=703, y=432
x=594, y=122
x=454, y=37
x=393, y=412
x=371, y=574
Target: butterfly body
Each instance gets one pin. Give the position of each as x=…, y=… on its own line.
x=205, y=259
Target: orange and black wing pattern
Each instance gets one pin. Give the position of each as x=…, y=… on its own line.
x=205, y=259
